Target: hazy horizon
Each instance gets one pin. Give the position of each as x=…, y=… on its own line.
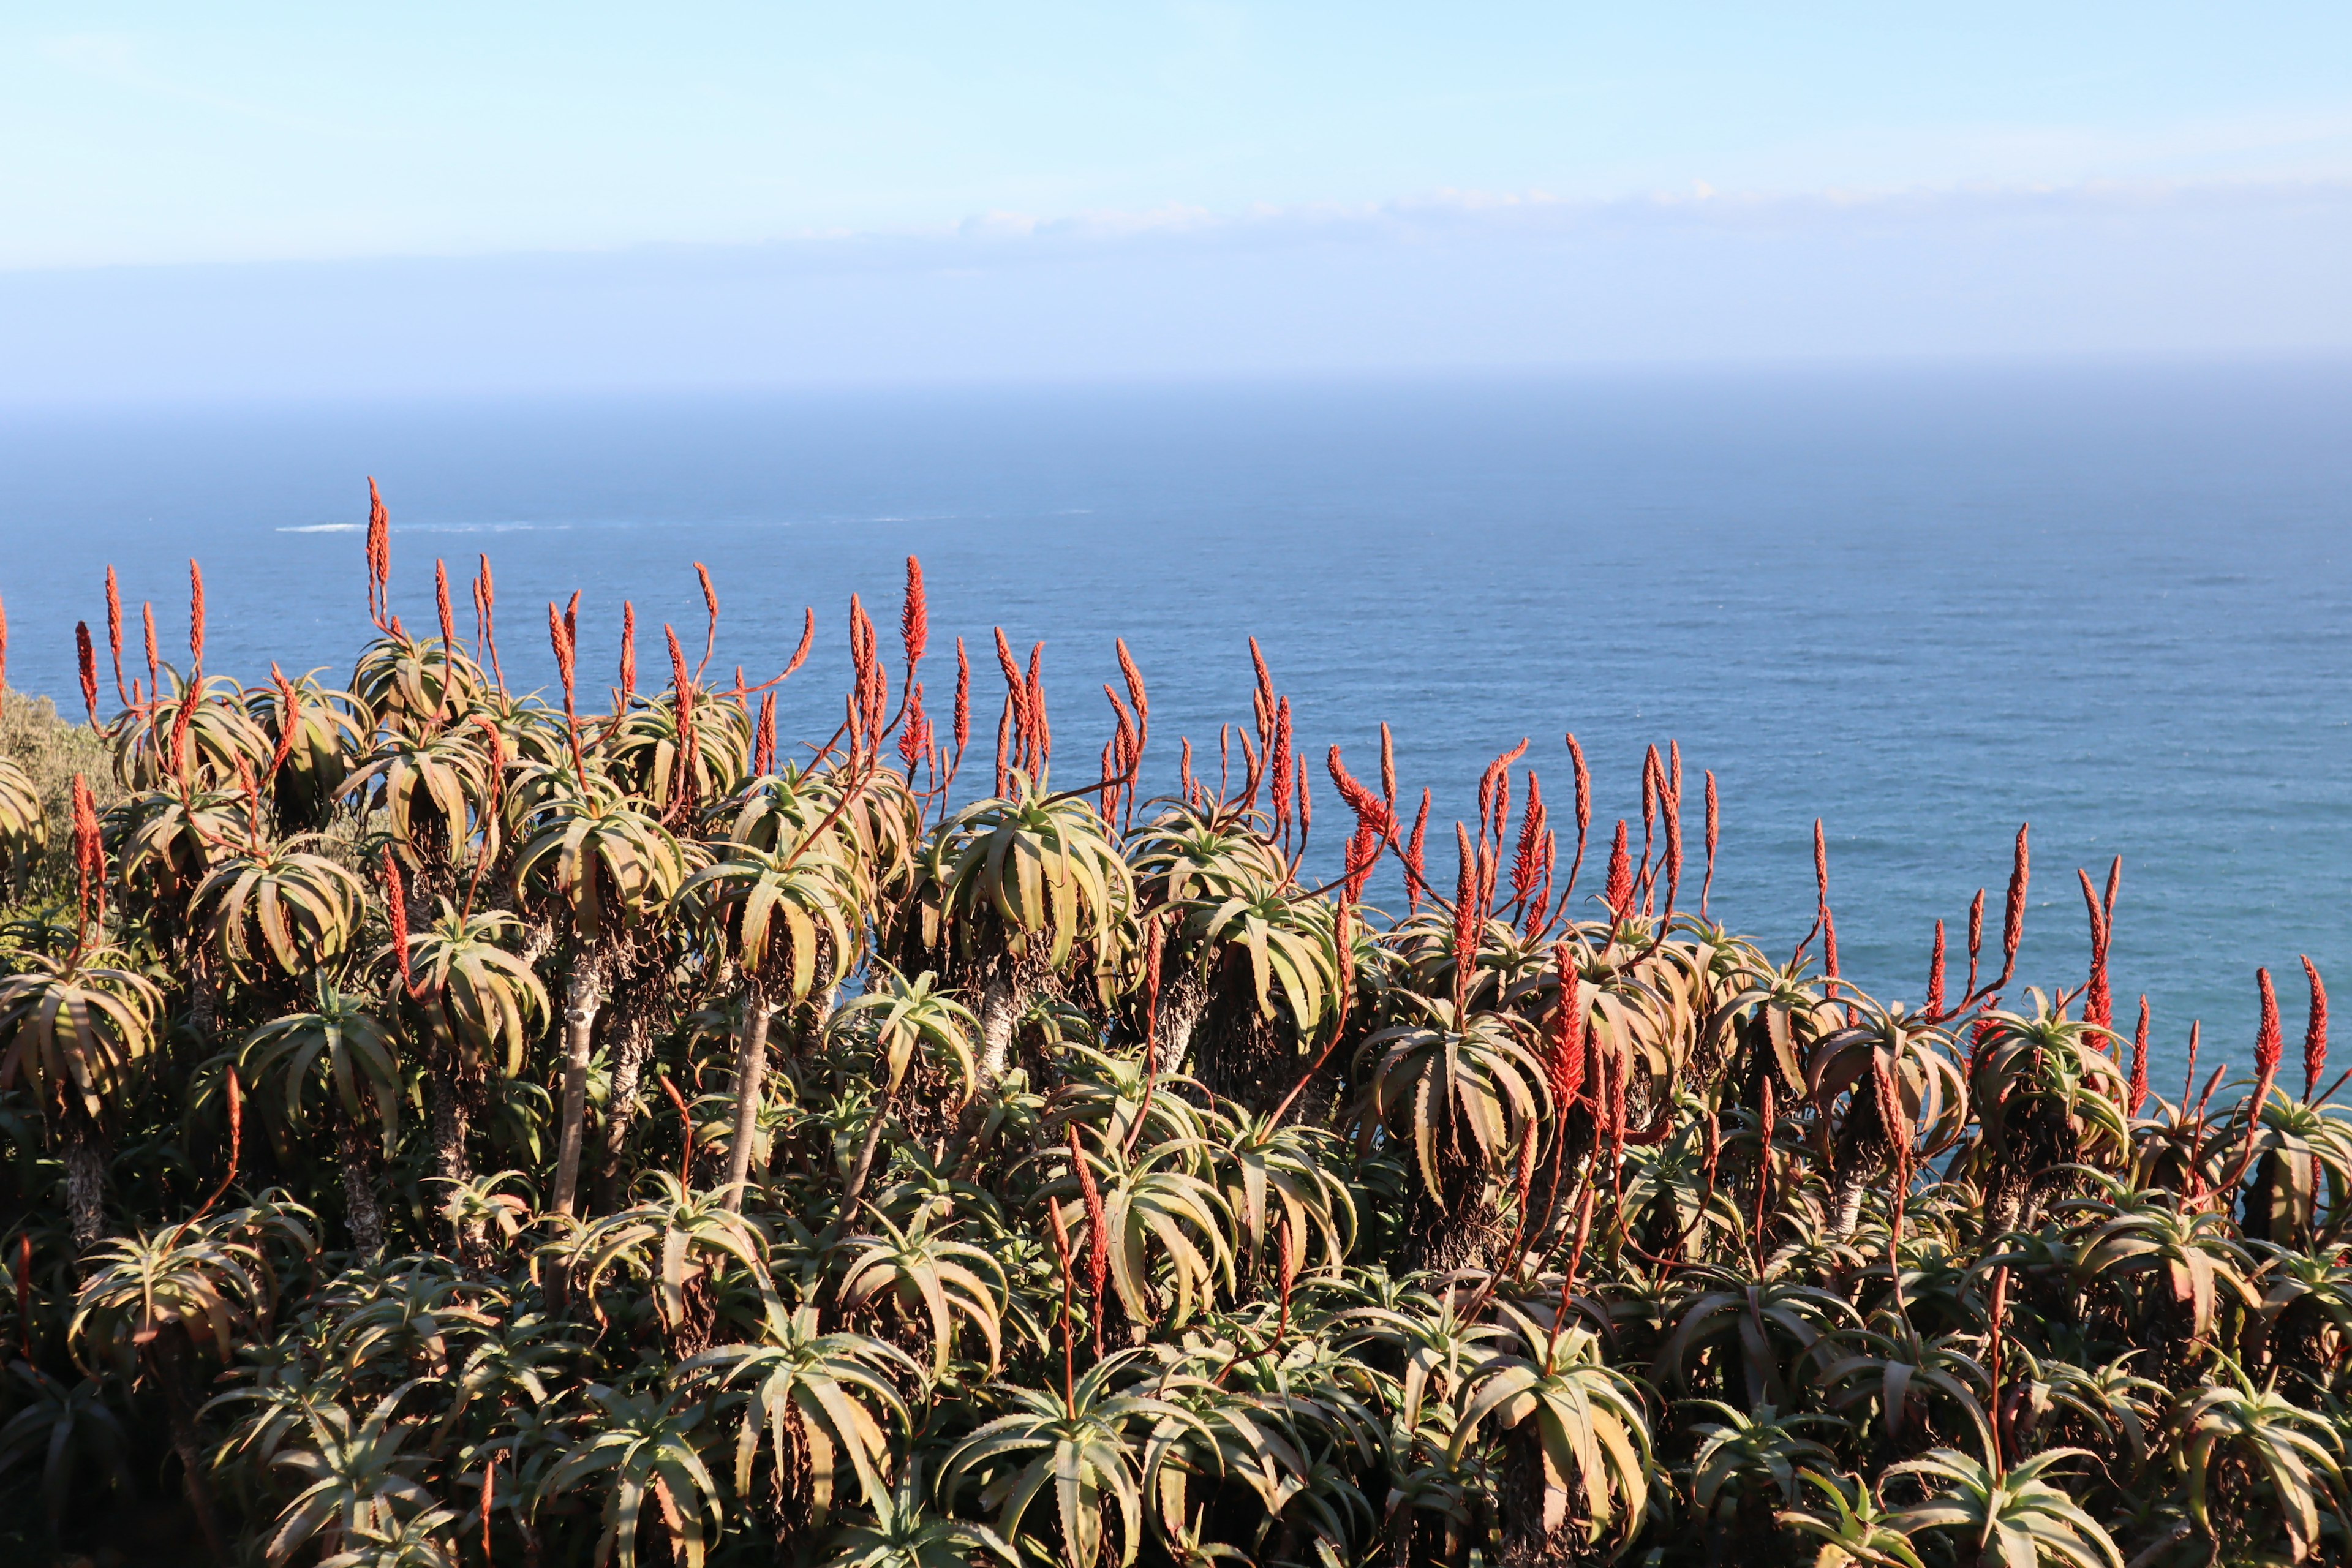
x=278, y=202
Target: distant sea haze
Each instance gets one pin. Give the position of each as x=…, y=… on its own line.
x=1923, y=605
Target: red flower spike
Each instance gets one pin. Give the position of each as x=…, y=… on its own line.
x=86, y=658
x=289, y=719
x=1388, y=774
x=682, y=684
x=1466, y=918
x=195, y=615
x=1976, y=941
x=1015, y=686
x=1619, y=892
x=1565, y=1069
x=1004, y=746
x=90, y=856
x=1098, y=1233
x=1527, y=864
x=1136, y=694
x=1278, y=759
x=154, y=659
x=1652, y=782
x=189, y=698
x=1416, y=867
x=1583, y=815
x=808, y=641
x=1672, y=804
x=395, y=903
x=1033, y=700
x=628, y=651
x=1935, y=1012
x=1363, y=853
x=378, y=558
x=486, y=596
x=113, y=634
x=2012, y=917
x=441, y=603
x=962, y=699
x=2269, y=1044
x=560, y=640
x=2315, y=1032
x=2139, y=1060
x=710, y=618
x=2098, y=1004
x=1714, y=830
x=914, y=616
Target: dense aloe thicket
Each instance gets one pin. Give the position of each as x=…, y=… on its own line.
x=448, y=1124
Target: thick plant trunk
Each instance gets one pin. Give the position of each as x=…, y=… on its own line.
x=450, y=1122
x=449, y=1161
x=172, y=1354
x=584, y=994
x=84, y=1185
x=750, y=1074
x=999, y=1012
x=864, y=1166
x=628, y=1101
x=1186, y=1002
x=1853, y=1188
x=362, y=1210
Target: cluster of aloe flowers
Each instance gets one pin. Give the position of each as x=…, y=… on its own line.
x=449, y=1125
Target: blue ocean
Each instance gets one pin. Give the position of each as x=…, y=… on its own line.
x=1921, y=604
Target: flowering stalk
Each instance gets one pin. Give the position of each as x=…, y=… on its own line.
x=378, y=558
x=1822, y=918
x=1415, y=862
x=1671, y=803
x=86, y=661
x=1976, y=945
x=486, y=641
x=154, y=661
x=1714, y=829
x=559, y=636
x=2098, y=1003
x=628, y=671
x=1583, y=815
x=1935, y=1010
x=1619, y=892
x=1098, y=1234
x=710, y=619
x=2012, y=915
x=114, y=632
x=289, y=720
x=395, y=904
x=1465, y=922
x=2139, y=1060
x=689, y=743
x=2315, y=1032
x=89, y=860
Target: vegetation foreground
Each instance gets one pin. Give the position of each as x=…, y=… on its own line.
x=453, y=1126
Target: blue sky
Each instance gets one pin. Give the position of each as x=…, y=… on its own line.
x=234, y=154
